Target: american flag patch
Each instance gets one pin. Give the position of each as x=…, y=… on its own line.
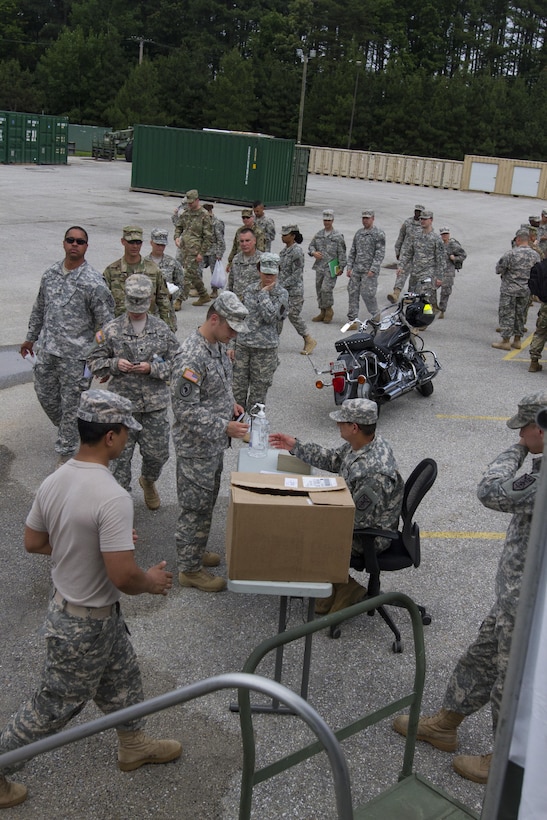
x=191, y=375
x=100, y=337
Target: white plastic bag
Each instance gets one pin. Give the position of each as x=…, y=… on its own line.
x=218, y=279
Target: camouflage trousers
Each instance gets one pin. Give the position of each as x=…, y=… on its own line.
x=512, y=311
x=153, y=441
x=193, y=275
x=198, y=483
x=294, y=315
x=446, y=289
x=254, y=369
x=401, y=278
x=540, y=334
x=58, y=383
x=324, y=287
x=479, y=675
x=360, y=284
x=86, y=659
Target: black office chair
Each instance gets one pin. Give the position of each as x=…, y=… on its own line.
x=404, y=550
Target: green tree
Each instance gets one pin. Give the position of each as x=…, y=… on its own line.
x=231, y=101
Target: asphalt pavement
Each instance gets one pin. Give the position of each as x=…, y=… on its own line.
x=191, y=635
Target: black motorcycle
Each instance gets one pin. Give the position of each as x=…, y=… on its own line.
x=385, y=358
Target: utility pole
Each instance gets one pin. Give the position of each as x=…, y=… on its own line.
x=304, y=58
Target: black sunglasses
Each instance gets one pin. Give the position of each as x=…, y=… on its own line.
x=134, y=241
x=72, y=239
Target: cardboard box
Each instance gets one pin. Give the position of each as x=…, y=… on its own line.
x=289, y=527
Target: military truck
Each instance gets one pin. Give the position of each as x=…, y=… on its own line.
x=114, y=144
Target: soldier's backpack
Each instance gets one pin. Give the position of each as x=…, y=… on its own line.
x=537, y=283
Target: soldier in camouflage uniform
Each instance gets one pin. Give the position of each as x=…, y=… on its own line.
x=194, y=236
x=542, y=234
x=244, y=269
x=540, y=333
x=256, y=358
x=291, y=269
x=130, y=263
x=455, y=257
x=249, y=223
x=204, y=408
x=410, y=227
x=84, y=520
x=218, y=247
x=367, y=464
x=72, y=303
x=171, y=269
x=136, y=350
x=514, y=269
x=425, y=256
x=327, y=245
x=265, y=223
x=365, y=258
x=479, y=675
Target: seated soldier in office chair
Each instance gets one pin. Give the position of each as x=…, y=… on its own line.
x=367, y=465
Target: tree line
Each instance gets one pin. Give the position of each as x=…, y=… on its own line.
x=427, y=77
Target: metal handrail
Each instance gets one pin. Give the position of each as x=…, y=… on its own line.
x=234, y=680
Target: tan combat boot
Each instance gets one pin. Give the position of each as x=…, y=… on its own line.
x=440, y=729
x=309, y=345
x=177, y=304
x=11, y=794
x=347, y=594
x=327, y=318
x=151, y=497
x=535, y=366
x=503, y=345
x=203, y=580
x=394, y=297
x=203, y=299
x=323, y=605
x=440, y=314
x=210, y=559
x=135, y=749
x=516, y=343
x=320, y=316
x=473, y=767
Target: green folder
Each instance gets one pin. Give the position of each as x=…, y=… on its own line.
x=335, y=269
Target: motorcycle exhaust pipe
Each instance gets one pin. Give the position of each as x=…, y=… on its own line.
x=392, y=391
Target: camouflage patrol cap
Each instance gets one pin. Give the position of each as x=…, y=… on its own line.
x=529, y=407
x=132, y=232
x=105, y=407
x=159, y=236
x=246, y=212
x=269, y=263
x=544, y=212
x=287, y=229
x=192, y=195
x=138, y=293
x=419, y=207
x=233, y=310
x=444, y=230
x=367, y=212
x=532, y=219
x=357, y=411
x=426, y=215
x=328, y=213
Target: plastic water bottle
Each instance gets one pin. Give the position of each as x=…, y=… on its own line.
x=260, y=428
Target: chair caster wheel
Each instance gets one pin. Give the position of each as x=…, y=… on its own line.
x=397, y=647
x=426, y=620
x=335, y=632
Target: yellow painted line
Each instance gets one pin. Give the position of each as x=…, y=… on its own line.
x=472, y=536
x=462, y=416
x=515, y=352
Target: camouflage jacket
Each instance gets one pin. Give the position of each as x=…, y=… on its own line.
x=426, y=253
x=499, y=489
x=372, y=478
x=514, y=268
x=367, y=250
x=453, y=248
x=267, y=226
x=68, y=310
x=291, y=269
x=260, y=241
x=410, y=227
x=218, y=245
x=332, y=245
x=202, y=397
x=116, y=274
x=156, y=344
x=196, y=231
x=266, y=310
x=243, y=272
x=171, y=269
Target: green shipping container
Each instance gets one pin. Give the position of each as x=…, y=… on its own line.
x=34, y=138
x=83, y=135
x=226, y=166
x=3, y=137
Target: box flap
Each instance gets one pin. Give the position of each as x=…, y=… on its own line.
x=288, y=483
x=286, y=463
